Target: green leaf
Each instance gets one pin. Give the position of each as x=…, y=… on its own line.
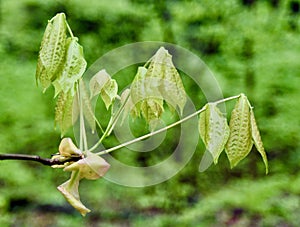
x=146, y=98
x=102, y=84
x=214, y=130
x=92, y=167
x=73, y=68
x=98, y=81
x=151, y=110
x=63, y=111
x=141, y=88
x=109, y=92
x=160, y=82
x=69, y=189
x=52, y=50
x=240, y=140
x=257, y=140
x=170, y=84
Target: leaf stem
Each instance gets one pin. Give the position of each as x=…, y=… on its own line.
x=165, y=128
x=150, y=134
x=227, y=99
x=69, y=29
x=111, y=125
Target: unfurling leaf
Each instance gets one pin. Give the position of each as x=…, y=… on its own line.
x=63, y=111
x=102, y=84
x=240, y=140
x=146, y=97
x=67, y=148
x=168, y=79
x=214, y=130
x=69, y=189
x=257, y=140
x=52, y=51
x=92, y=167
x=160, y=82
x=151, y=110
x=73, y=68
x=141, y=87
x=98, y=81
x=109, y=92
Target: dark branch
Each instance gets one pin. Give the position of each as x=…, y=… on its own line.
x=36, y=158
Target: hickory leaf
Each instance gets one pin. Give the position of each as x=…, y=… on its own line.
x=151, y=110
x=52, y=51
x=146, y=97
x=63, y=111
x=240, y=140
x=98, y=81
x=214, y=130
x=109, y=92
x=142, y=87
x=168, y=79
x=257, y=140
x=73, y=68
x=102, y=84
x=155, y=84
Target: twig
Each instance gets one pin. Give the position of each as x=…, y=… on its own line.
x=36, y=158
x=162, y=129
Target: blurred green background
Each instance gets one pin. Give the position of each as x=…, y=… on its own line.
x=252, y=46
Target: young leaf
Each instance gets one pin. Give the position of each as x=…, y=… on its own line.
x=98, y=81
x=257, y=140
x=102, y=84
x=63, y=111
x=240, y=140
x=214, y=130
x=171, y=85
x=145, y=96
x=160, y=81
x=151, y=110
x=109, y=92
x=69, y=189
x=73, y=68
x=52, y=50
x=142, y=88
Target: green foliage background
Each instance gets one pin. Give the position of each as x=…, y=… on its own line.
x=251, y=47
